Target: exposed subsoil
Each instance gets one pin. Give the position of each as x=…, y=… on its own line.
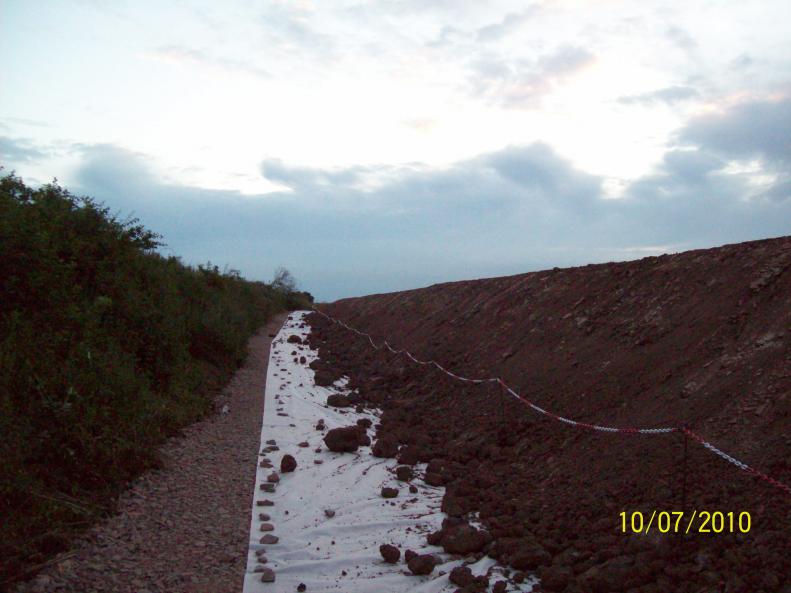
x=184, y=528
x=701, y=339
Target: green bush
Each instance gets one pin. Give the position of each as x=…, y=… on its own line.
x=106, y=349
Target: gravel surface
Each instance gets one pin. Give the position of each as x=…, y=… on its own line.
x=184, y=528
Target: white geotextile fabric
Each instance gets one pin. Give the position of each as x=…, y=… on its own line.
x=314, y=549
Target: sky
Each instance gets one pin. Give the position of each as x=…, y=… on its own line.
x=373, y=146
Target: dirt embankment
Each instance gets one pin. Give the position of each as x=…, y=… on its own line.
x=701, y=339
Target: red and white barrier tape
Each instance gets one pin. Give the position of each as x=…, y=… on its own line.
x=522, y=399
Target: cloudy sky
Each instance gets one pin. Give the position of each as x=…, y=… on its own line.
x=371, y=146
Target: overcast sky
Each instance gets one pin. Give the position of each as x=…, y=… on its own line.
x=382, y=145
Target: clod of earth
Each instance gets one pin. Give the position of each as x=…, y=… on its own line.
x=388, y=492
x=265, y=503
x=303, y=444
x=323, y=378
x=263, y=517
x=409, y=554
x=464, y=539
x=390, y=553
x=461, y=576
x=336, y=400
x=294, y=339
x=329, y=513
x=268, y=487
x=274, y=478
x=301, y=587
x=404, y=473
x=385, y=447
x=364, y=422
x=500, y=587
x=422, y=564
x=288, y=464
x=343, y=440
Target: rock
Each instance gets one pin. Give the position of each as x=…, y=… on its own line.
x=408, y=555
x=303, y=444
x=329, y=513
x=434, y=538
x=302, y=360
x=343, y=440
x=529, y=556
x=434, y=479
x=413, y=489
x=267, y=527
x=390, y=553
x=461, y=576
x=320, y=424
x=364, y=422
x=324, y=378
x=385, y=447
x=265, y=503
x=288, y=464
x=556, y=578
x=389, y=492
x=336, y=400
x=404, y=473
x=499, y=587
x=364, y=440
x=301, y=587
x=422, y=564
x=269, y=539
x=263, y=517
x=268, y=487
x=294, y=340
x=409, y=455
x=464, y=540
x=271, y=442
x=274, y=478
x=268, y=575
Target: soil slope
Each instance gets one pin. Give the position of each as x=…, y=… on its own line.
x=701, y=339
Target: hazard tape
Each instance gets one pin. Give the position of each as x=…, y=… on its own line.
x=584, y=425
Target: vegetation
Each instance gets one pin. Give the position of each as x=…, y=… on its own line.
x=106, y=349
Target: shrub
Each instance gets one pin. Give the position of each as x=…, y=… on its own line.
x=106, y=349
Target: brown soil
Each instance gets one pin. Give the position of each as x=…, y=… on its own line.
x=700, y=339
x=184, y=528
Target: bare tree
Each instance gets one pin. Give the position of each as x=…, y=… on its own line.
x=284, y=281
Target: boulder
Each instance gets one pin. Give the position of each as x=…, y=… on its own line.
x=343, y=440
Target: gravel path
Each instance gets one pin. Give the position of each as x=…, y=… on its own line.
x=185, y=528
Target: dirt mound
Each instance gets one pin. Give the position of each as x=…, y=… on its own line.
x=698, y=339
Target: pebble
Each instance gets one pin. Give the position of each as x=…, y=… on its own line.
x=268, y=487
x=273, y=477
x=269, y=539
x=268, y=575
x=329, y=513
x=267, y=527
x=263, y=517
x=265, y=503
